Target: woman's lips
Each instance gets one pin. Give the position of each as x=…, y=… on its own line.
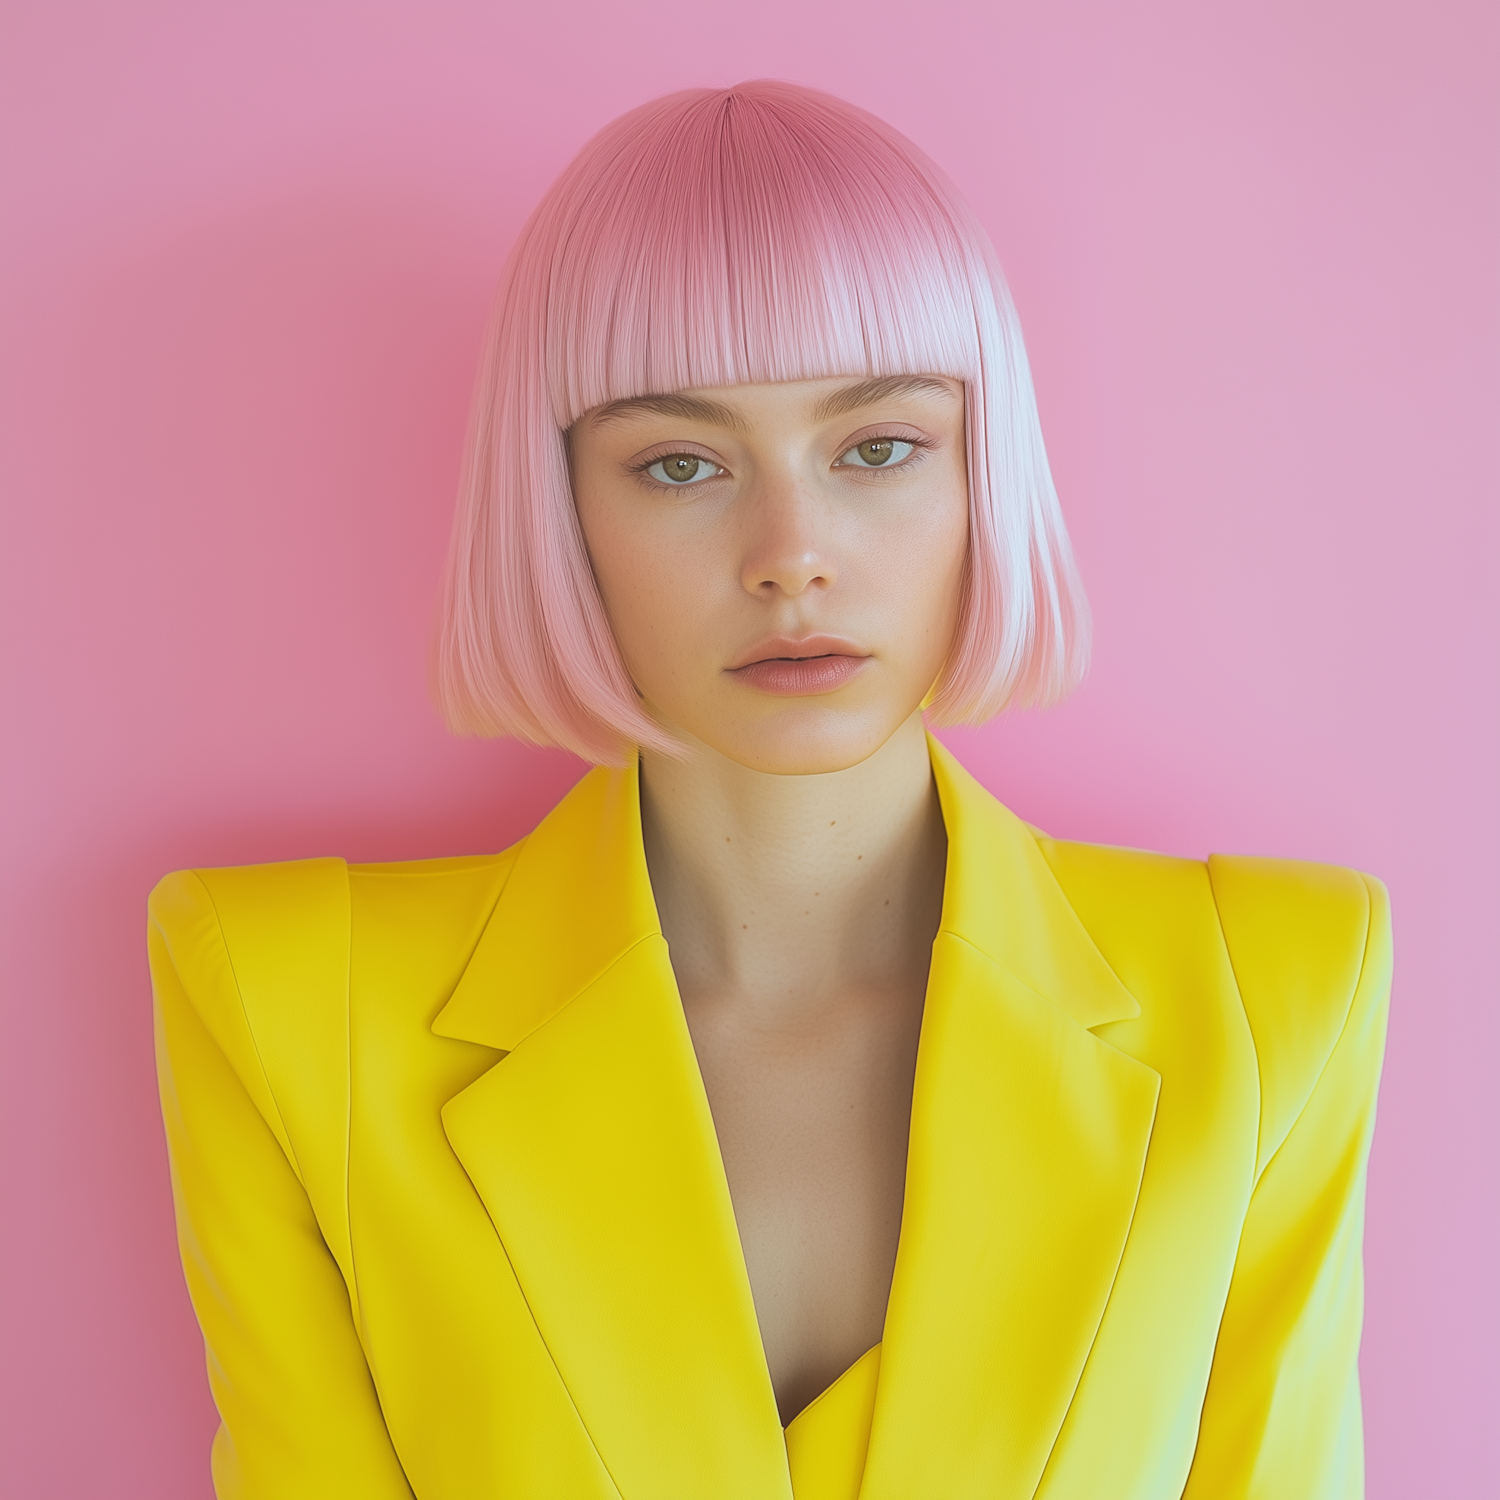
x=801, y=668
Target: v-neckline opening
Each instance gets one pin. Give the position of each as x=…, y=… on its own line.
x=718, y=1152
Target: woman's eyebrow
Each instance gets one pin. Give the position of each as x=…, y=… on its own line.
x=839, y=403
x=673, y=404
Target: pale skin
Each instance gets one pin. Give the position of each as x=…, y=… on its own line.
x=797, y=851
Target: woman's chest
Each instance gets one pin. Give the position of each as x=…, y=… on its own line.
x=812, y=1124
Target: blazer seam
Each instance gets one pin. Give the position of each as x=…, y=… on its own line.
x=1354, y=989
x=1291, y=1130
x=1255, y=1047
x=352, y=1284
x=1338, y=1041
x=285, y=1135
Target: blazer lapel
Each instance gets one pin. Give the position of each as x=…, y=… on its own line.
x=593, y=1149
x=1028, y=1142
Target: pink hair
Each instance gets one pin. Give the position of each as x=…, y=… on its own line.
x=723, y=237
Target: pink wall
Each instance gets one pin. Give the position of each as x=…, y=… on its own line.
x=252, y=246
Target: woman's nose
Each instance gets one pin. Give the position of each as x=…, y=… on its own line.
x=789, y=547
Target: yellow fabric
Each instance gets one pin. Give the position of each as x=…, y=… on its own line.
x=455, y=1223
x=826, y=1442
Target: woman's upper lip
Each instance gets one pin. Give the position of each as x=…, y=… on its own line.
x=796, y=647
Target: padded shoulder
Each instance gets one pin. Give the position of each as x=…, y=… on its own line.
x=271, y=942
x=262, y=952
x=1300, y=940
x=1301, y=937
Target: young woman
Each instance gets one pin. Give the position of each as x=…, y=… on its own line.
x=783, y=1117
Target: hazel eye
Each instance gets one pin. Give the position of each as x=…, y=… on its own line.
x=877, y=453
x=681, y=469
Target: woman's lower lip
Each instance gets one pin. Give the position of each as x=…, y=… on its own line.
x=800, y=676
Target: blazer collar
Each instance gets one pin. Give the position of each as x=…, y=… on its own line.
x=593, y=1148
x=1001, y=897
x=586, y=859
x=578, y=897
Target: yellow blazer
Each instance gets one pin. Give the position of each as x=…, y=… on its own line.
x=456, y=1226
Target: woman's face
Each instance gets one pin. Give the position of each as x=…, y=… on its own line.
x=781, y=564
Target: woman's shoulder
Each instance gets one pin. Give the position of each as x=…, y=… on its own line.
x=1307, y=945
x=1272, y=913
x=303, y=894
x=280, y=934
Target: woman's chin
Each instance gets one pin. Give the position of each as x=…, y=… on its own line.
x=805, y=740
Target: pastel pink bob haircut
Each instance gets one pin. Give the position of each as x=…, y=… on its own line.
x=723, y=237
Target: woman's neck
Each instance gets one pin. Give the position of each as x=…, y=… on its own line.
x=785, y=894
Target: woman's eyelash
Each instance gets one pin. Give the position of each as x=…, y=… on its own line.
x=910, y=442
x=642, y=464
x=692, y=469
x=889, y=437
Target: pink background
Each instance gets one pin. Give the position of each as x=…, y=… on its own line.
x=251, y=249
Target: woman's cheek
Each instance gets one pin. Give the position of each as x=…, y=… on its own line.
x=660, y=621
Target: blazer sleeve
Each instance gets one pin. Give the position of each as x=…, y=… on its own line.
x=299, y=1416
x=1311, y=950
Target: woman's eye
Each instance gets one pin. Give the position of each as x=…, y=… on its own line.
x=877, y=453
x=682, y=468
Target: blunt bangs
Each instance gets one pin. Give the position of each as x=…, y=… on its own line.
x=725, y=237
